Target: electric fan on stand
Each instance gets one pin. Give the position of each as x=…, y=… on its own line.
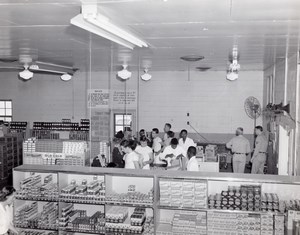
x=253, y=110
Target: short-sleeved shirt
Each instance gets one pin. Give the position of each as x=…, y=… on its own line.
x=145, y=152
x=156, y=144
x=176, y=152
x=261, y=145
x=129, y=159
x=187, y=143
x=239, y=144
x=192, y=164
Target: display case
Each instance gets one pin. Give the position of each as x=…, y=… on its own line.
x=119, y=201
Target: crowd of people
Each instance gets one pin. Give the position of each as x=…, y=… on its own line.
x=150, y=150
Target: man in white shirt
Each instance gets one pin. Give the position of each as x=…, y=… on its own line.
x=146, y=152
x=192, y=164
x=173, y=152
x=185, y=142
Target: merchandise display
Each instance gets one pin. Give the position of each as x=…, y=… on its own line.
x=185, y=222
x=32, y=188
x=78, y=221
x=118, y=221
x=28, y=216
x=178, y=202
x=55, y=152
x=92, y=192
x=183, y=193
x=245, y=197
x=233, y=223
x=131, y=196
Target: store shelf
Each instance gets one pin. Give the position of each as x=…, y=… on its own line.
x=37, y=228
x=129, y=204
x=39, y=199
x=82, y=201
x=82, y=231
x=180, y=208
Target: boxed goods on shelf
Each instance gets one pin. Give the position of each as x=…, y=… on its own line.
x=183, y=193
x=118, y=220
x=29, y=217
x=32, y=188
x=92, y=192
x=131, y=197
x=232, y=223
x=245, y=197
x=78, y=221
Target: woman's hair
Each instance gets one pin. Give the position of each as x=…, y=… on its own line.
x=6, y=192
x=171, y=134
x=129, y=143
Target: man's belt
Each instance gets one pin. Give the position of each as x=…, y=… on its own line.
x=262, y=152
x=239, y=153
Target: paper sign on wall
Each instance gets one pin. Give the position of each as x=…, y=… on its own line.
x=98, y=98
x=120, y=98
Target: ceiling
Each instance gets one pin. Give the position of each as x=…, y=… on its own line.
x=263, y=30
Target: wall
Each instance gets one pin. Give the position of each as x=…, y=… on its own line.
x=214, y=104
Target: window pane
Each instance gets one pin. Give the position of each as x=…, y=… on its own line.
x=8, y=112
x=119, y=128
x=2, y=112
x=8, y=104
x=127, y=120
x=118, y=119
x=2, y=105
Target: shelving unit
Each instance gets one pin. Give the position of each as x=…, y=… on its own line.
x=140, y=190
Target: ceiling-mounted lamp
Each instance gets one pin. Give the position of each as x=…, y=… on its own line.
x=146, y=76
x=66, y=77
x=26, y=74
x=91, y=20
x=124, y=73
x=234, y=67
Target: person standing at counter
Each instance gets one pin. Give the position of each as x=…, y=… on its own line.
x=240, y=147
x=259, y=155
x=146, y=152
x=185, y=142
x=117, y=153
x=173, y=152
x=131, y=158
x=157, y=141
x=192, y=164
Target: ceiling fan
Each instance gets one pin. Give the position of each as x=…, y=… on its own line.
x=28, y=66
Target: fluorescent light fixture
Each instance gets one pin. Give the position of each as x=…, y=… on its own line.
x=96, y=23
x=146, y=76
x=26, y=74
x=66, y=77
x=124, y=74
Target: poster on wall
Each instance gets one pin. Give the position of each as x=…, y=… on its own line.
x=98, y=98
x=120, y=99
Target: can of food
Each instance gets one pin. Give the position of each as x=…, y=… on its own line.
x=296, y=227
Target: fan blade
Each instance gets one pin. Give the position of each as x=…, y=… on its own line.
x=51, y=71
x=8, y=60
x=11, y=68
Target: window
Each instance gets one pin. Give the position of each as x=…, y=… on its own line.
x=6, y=110
x=122, y=121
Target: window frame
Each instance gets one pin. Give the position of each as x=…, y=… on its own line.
x=5, y=117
